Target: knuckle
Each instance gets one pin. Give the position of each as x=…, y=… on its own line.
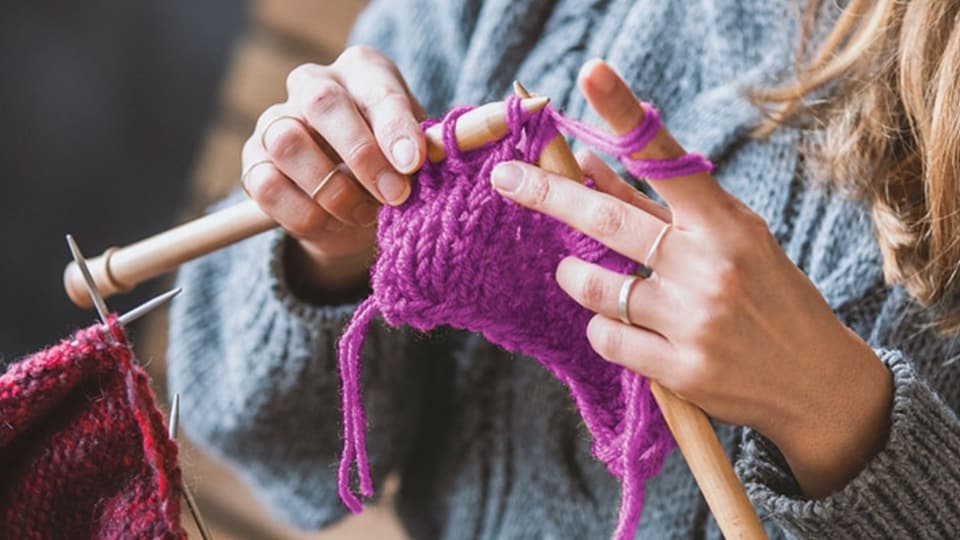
x=726, y=278
x=383, y=96
x=325, y=96
x=359, y=54
x=267, y=115
x=362, y=153
x=539, y=191
x=301, y=74
x=754, y=222
x=708, y=330
x=607, y=339
x=265, y=184
x=606, y=219
x=592, y=290
x=697, y=373
x=251, y=147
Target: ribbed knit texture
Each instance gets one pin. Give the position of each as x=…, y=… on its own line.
x=490, y=446
x=84, y=449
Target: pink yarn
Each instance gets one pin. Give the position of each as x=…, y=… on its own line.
x=457, y=253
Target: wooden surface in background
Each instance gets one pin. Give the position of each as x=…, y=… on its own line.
x=282, y=35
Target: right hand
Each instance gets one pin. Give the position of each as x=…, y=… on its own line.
x=356, y=117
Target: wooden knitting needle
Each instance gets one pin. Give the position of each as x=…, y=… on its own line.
x=120, y=269
x=689, y=424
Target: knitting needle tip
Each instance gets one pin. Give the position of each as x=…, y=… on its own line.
x=534, y=104
x=520, y=90
x=174, y=416
x=88, y=279
x=174, y=425
x=148, y=306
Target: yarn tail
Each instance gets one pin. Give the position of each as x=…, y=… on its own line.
x=354, y=419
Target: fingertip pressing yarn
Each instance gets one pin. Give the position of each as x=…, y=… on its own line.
x=440, y=262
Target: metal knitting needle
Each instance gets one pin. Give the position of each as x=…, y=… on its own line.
x=88, y=280
x=187, y=494
x=124, y=320
x=148, y=306
x=174, y=416
x=102, y=310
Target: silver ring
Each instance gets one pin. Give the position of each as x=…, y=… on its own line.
x=656, y=245
x=340, y=167
x=623, y=299
x=266, y=128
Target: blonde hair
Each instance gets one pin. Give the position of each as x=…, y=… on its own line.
x=889, y=131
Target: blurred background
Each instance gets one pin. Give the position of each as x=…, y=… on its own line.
x=120, y=120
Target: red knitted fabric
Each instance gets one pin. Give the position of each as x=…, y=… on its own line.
x=83, y=448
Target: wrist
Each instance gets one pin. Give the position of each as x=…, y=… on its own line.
x=830, y=444
x=319, y=277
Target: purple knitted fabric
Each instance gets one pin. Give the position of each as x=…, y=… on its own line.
x=457, y=253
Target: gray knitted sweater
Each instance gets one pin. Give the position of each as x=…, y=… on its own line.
x=488, y=444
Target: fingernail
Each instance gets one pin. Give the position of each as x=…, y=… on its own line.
x=404, y=154
x=365, y=214
x=393, y=187
x=334, y=225
x=507, y=177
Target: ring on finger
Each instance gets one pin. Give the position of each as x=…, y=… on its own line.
x=266, y=128
x=623, y=299
x=246, y=173
x=656, y=245
x=340, y=167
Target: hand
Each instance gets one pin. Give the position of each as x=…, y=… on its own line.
x=358, y=112
x=726, y=320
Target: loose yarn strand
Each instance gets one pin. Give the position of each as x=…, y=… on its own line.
x=624, y=146
x=354, y=418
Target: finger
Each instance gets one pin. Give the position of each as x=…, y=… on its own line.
x=691, y=198
x=636, y=349
x=297, y=155
x=599, y=290
x=608, y=181
x=283, y=200
x=330, y=111
x=383, y=99
x=623, y=228
x=343, y=196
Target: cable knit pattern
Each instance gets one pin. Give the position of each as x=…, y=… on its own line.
x=490, y=446
x=84, y=449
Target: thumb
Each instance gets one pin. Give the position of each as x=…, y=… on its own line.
x=692, y=198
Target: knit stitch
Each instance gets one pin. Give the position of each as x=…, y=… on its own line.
x=83, y=446
x=458, y=253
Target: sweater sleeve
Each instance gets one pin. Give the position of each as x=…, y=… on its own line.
x=256, y=369
x=909, y=488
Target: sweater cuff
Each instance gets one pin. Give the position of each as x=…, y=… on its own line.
x=908, y=490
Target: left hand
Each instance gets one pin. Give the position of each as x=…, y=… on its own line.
x=726, y=320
